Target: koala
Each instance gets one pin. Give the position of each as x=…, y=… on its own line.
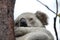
x=29, y=27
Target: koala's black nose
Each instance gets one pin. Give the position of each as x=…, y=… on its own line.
x=23, y=22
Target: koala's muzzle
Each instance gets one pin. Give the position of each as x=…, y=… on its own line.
x=23, y=22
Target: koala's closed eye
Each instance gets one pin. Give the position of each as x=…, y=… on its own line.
x=17, y=24
x=30, y=19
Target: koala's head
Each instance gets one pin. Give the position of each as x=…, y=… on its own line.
x=28, y=20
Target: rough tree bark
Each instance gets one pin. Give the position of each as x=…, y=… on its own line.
x=6, y=19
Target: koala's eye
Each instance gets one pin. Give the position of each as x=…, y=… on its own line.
x=30, y=19
x=16, y=24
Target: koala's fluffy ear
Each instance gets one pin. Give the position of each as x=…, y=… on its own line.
x=42, y=17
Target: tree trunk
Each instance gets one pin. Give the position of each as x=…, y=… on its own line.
x=7, y=20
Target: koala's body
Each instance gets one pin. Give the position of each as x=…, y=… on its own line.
x=29, y=27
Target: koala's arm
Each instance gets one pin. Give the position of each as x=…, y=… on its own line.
x=20, y=31
x=24, y=30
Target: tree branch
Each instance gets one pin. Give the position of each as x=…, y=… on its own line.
x=46, y=6
x=55, y=18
